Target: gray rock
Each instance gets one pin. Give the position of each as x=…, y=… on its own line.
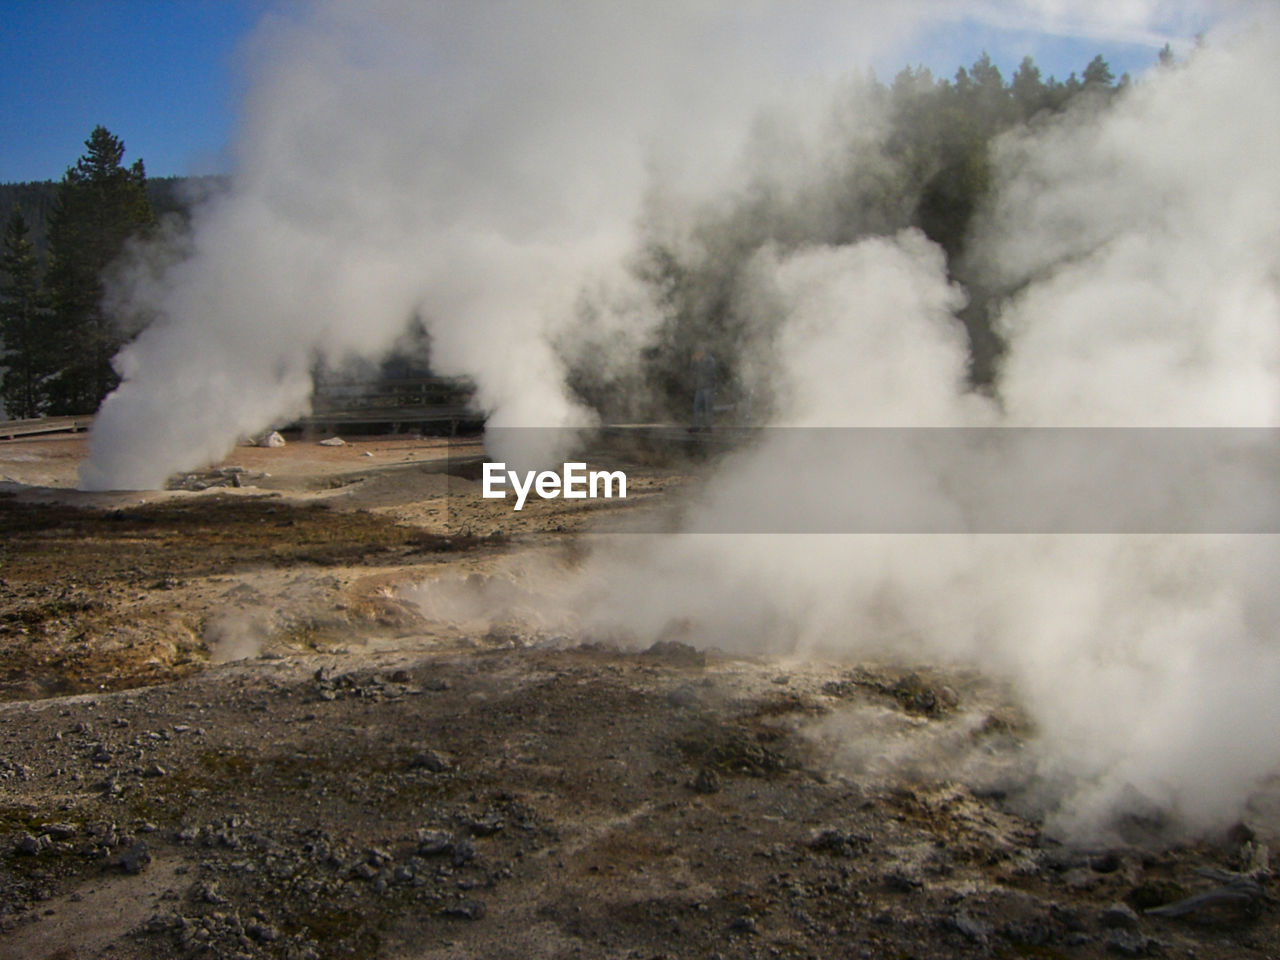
x=707, y=781
x=676, y=653
x=901, y=882
x=207, y=892
x=464, y=851
x=434, y=842
x=1108, y=862
x=744, y=924
x=1129, y=944
x=262, y=932
x=135, y=859
x=485, y=826
x=31, y=845
x=1119, y=916
x=465, y=910
x=838, y=842
x=431, y=760
x=970, y=928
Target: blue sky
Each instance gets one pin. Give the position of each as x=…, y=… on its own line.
x=164, y=75
x=160, y=74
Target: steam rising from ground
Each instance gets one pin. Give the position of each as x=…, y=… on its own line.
x=1140, y=247
x=471, y=165
x=1146, y=265
x=1146, y=272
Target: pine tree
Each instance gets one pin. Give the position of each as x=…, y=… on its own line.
x=101, y=204
x=1098, y=74
x=24, y=324
x=1028, y=89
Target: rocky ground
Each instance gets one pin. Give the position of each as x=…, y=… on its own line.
x=227, y=732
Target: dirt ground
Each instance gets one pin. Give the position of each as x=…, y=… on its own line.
x=228, y=731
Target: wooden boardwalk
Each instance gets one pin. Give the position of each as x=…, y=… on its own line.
x=9, y=429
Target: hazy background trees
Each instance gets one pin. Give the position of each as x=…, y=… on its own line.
x=24, y=324
x=927, y=166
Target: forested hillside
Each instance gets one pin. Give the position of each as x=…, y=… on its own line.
x=918, y=155
x=169, y=196
x=927, y=164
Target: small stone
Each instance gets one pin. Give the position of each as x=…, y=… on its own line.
x=1119, y=916
x=746, y=924
x=971, y=928
x=676, y=653
x=485, y=826
x=135, y=859
x=707, y=781
x=900, y=882
x=208, y=892
x=465, y=910
x=1107, y=863
x=31, y=845
x=431, y=760
x=161, y=922
x=433, y=842
x=262, y=932
x=1129, y=944
x=464, y=851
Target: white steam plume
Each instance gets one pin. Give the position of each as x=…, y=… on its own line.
x=1144, y=239
x=471, y=163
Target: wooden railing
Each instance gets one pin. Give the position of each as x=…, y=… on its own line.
x=420, y=400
